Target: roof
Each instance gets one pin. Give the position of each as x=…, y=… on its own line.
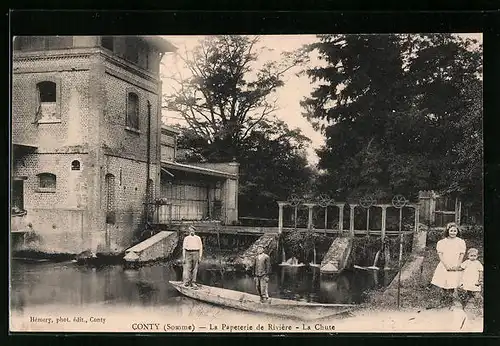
x=160, y=43
x=26, y=145
x=195, y=169
x=170, y=129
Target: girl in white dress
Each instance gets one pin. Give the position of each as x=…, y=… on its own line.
x=451, y=251
x=472, y=276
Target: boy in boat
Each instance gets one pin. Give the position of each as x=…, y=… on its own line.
x=192, y=250
x=261, y=271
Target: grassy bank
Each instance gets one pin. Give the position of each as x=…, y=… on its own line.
x=418, y=292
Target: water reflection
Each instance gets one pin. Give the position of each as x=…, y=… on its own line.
x=71, y=284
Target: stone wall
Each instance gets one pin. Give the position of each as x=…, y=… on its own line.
x=130, y=194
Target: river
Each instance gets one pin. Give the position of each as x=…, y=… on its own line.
x=71, y=284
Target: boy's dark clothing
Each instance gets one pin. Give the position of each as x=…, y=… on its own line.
x=261, y=271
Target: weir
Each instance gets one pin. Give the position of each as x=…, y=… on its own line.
x=337, y=257
x=159, y=246
x=268, y=241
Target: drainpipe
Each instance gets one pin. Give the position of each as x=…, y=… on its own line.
x=148, y=188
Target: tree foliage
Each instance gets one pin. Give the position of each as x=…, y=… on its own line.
x=400, y=113
x=227, y=103
x=227, y=94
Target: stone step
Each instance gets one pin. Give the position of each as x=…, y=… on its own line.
x=337, y=256
x=159, y=246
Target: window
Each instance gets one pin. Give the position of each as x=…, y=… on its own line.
x=132, y=120
x=47, y=102
x=107, y=42
x=58, y=42
x=46, y=182
x=34, y=43
x=132, y=49
x=109, y=183
x=75, y=165
x=17, y=194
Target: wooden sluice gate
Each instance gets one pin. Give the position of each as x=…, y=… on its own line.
x=159, y=246
x=337, y=257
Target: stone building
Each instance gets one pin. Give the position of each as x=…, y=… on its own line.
x=84, y=109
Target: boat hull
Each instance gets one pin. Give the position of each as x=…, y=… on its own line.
x=250, y=302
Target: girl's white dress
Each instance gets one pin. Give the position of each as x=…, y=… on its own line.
x=451, y=249
x=470, y=275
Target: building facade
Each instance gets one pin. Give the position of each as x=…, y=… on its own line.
x=86, y=139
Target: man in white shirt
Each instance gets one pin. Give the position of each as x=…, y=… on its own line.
x=192, y=250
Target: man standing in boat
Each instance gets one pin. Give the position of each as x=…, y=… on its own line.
x=192, y=250
x=261, y=271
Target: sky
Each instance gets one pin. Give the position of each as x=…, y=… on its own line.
x=296, y=88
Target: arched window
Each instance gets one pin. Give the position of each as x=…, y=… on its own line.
x=47, y=101
x=132, y=49
x=75, y=165
x=132, y=120
x=109, y=183
x=47, y=182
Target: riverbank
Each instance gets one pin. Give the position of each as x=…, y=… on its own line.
x=417, y=294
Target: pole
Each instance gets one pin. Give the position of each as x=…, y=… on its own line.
x=368, y=221
x=400, y=255
x=148, y=153
x=400, y=236
x=326, y=218
x=399, y=285
x=295, y=217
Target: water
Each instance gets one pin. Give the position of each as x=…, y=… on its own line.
x=67, y=283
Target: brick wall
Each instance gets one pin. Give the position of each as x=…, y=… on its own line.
x=72, y=103
x=91, y=106
x=59, y=217
x=130, y=193
x=116, y=137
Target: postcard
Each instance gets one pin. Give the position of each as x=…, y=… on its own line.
x=247, y=184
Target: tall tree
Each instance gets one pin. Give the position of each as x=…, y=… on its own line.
x=396, y=110
x=228, y=91
x=227, y=104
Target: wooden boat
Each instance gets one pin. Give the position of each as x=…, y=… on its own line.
x=250, y=302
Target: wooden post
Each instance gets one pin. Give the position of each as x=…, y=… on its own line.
x=400, y=237
x=458, y=211
x=170, y=213
x=280, y=217
x=341, y=218
x=368, y=222
x=326, y=218
x=351, y=220
x=295, y=216
x=384, y=221
x=417, y=217
x=309, y=215
x=432, y=208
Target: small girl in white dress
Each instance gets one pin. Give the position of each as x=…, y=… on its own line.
x=472, y=276
x=451, y=251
